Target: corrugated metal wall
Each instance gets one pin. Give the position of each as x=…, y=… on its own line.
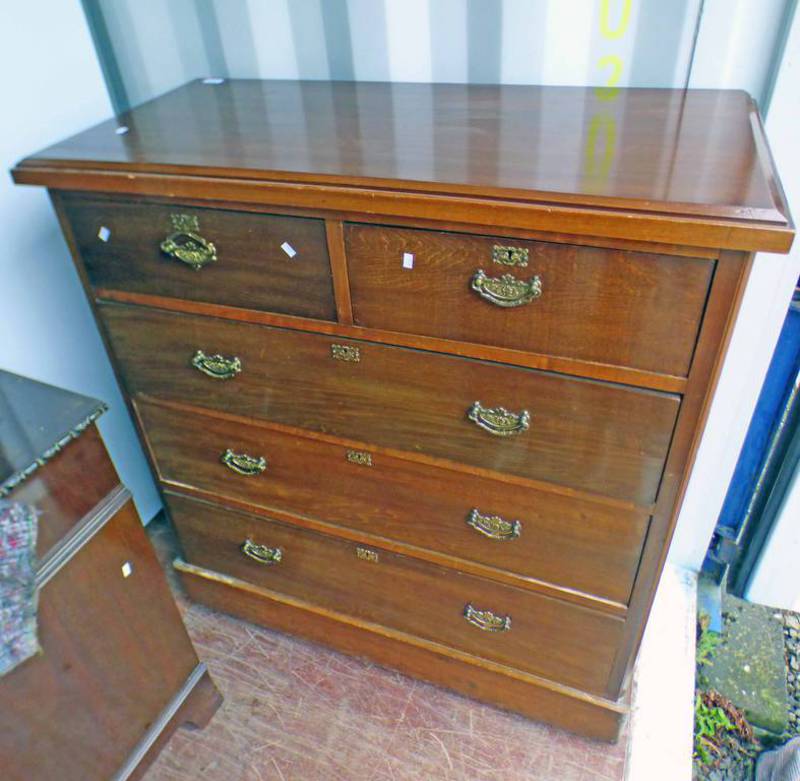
x=159, y=44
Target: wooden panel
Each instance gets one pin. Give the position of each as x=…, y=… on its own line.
x=114, y=653
x=547, y=636
x=251, y=268
x=588, y=435
x=534, y=697
x=576, y=544
x=626, y=308
x=60, y=491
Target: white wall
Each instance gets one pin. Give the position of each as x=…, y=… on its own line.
x=52, y=87
x=736, y=43
x=763, y=311
x=776, y=581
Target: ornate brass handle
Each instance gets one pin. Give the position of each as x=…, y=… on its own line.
x=261, y=553
x=243, y=464
x=493, y=526
x=187, y=245
x=216, y=366
x=498, y=420
x=506, y=291
x=486, y=620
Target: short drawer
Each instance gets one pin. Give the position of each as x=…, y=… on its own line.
x=543, y=636
x=585, y=546
x=262, y=261
x=595, y=436
x=631, y=309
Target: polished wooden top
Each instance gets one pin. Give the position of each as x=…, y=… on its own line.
x=695, y=153
x=36, y=422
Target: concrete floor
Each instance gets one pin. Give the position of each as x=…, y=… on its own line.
x=295, y=711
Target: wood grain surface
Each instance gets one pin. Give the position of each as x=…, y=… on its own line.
x=547, y=636
x=592, y=436
x=521, y=141
x=502, y=686
x=630, y=309
x=252, y=268
x=567, y=542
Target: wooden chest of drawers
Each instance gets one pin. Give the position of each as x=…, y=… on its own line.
x=116, y=673
x=425, y=391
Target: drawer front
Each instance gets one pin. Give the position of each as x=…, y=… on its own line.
x=595, y=436
x=546, y=636
x=579, y=545
x=631, y=309
x=252, y=269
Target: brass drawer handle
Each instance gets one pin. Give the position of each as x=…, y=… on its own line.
x=498, y=420
x=486, y=620
x=217, y=366
x=261, y=553
x=243, y=464
x=506, y=291
x=187, y=245
x=493, y=526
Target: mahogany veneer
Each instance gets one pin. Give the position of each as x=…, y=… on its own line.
x=322, y=455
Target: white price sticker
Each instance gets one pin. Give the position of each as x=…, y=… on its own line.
x=104, y=234
x=408, y=260
x=288, y=249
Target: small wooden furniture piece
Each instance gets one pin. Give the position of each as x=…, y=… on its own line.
x=117, y=673
x=422, y=368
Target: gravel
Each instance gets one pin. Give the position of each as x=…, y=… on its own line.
x=735, y=762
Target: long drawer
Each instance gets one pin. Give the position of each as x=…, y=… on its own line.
x=260, y=261
x=634, y=309
x=588, y=435
x=544, y=636
x=580, y=545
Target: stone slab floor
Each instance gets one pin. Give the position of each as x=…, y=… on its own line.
x=295, y=711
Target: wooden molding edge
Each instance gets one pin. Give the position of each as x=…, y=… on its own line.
x=771, y=233
x=80, y=534
x=171, y=717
